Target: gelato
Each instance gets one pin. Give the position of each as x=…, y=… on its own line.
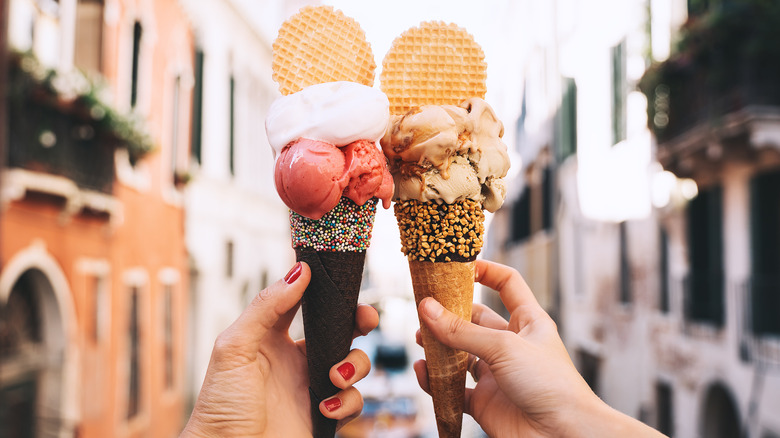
x=324, y=138
x=448, y=153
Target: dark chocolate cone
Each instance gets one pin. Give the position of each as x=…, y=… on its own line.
x=329, y=306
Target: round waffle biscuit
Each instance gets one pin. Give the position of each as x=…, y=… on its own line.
x=433, y=64
x=319, y=44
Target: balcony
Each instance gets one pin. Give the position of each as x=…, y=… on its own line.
x=759, y=327
x=58, y=128
x=717, y=97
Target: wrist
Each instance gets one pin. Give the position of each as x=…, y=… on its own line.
x=594, y=418
x=194, y=429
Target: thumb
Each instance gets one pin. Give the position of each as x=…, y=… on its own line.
x=266, y=308
x=455, y=332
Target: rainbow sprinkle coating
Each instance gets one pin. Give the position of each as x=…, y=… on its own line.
x=345, y=228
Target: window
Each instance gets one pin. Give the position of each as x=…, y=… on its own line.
x=698, y=7
x=175, y=111
x=263, y=279
x=664, y=407
x=88, y=50
x=232, y=126
x=567, y=136
x=663, y=263
x=197, y=107
x=134, y=335
x=765, y=243
x=589, y=366
x=547, y=199
x=521, y=217
x=625, y=266
x=137, y=34
x=229, y=254
x=168, y=338
x=99, y=315
x=619, y=92
x=704, y=300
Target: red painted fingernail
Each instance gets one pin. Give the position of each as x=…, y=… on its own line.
x=347, y=370
x=294, y=273
x=332, y=404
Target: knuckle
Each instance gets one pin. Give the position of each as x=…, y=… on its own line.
x=454, y=327
x=262, y=297
x=224, y=344
x=361, y=357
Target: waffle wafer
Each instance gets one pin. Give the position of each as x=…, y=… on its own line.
x=321, y=44
x=433, y=64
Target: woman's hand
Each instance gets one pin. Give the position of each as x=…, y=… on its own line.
x=526, y=383
x=257, y=380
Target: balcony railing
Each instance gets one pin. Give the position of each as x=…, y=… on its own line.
x=61, y=124
x=53, y=137
x=727, y=61
x=758, y=324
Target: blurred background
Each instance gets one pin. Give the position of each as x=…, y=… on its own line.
x=138, y=215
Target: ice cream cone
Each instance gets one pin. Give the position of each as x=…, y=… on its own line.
x=447, y=160
x=441, y=242
x=334, y=247
x=329, y=305
x=325, y=70
x=452, y=285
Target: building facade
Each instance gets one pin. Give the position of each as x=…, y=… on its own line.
x=93, y=288
x=237, y=228
x=653, y=244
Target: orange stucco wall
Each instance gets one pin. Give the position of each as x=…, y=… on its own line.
x=144, y=240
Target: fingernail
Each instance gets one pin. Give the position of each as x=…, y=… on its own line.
x=332, y=404
x=347, y=370
x=433, y=309
x=294, y=273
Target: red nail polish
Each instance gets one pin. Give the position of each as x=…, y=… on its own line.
x=347, y=370
x=294, y=273
x=332, y=404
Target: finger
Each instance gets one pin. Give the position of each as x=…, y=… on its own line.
x=421, y=371
x=418, y=337
x=366, y=319
x=283, y=324
x=353, y=368
x=265, y=310
x=477, y=368
x=508, y=282
x=345, y=403
x=487, y=317
x=471, y=363
x=452, y=331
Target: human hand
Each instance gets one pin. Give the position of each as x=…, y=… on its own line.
x=257, y=380
x=526, y=384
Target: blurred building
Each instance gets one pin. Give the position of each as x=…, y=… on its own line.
x=93, y=289
x=237, y=227
x=655, y=244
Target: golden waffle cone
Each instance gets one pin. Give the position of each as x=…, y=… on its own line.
x=451, y=284
x=448, y=277
x=433, y=64
x=320, y=44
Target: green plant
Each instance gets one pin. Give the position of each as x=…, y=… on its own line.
x=80, y=95
x=725, y=59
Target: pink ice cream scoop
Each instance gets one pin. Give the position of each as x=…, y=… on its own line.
x=368, y=173
x=311, y=176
